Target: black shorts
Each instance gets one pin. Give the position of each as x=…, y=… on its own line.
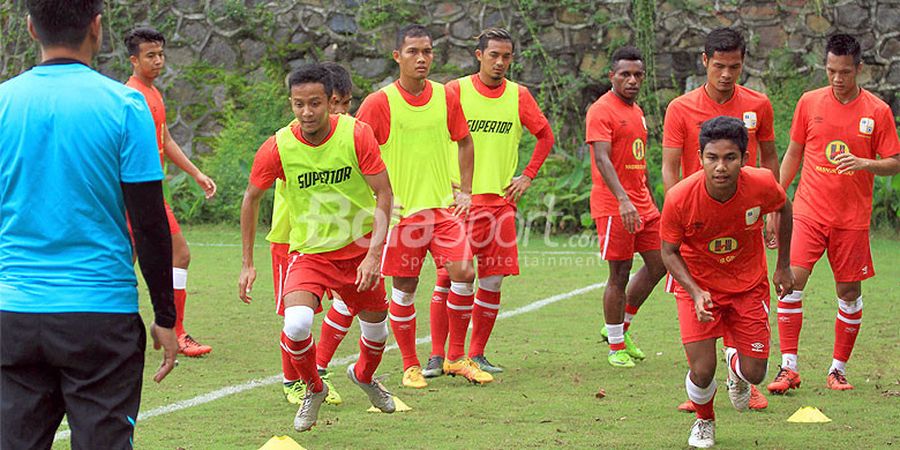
x=86, y=365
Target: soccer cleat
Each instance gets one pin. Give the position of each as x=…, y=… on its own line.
x=631, y=348
x=434, y=368
x=686, y=406
x=604, y=334
x=703, y=434
x=785, y=380
x=309, y=410
x=189, y=347
x=620, y=359
x=413, y=378
x=333, y=398
x=469, y=369
x=378, y=395
x=738, y=390
x=837, y=381
x=757, y=399
x=486, y=365
x=294, y=392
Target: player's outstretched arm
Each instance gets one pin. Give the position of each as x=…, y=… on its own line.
x=466, y=168
x=369, y=270
x=783, y=278
x=671, y=170
x=176, y=155
x=790, y=164
x=630, y=217
x=671, y=255
x=885, y=167
x=249, y=219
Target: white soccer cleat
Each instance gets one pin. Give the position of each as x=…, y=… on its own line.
x=309, y=411
x=738, y=390
x=378, y=395
x=703, y=434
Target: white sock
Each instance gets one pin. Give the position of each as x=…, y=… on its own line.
x=789, y=361
x=179, y=278
x=838, y=365
x=697, y=394
x=616, y=333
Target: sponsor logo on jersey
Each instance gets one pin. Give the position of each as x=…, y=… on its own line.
x=757, y=346
x=866, y=126
x=750, y=120
x=752, y=215
x=490, y=126
x=638, y=149
x=835, y=148
x=310, y=179
x=723, y=245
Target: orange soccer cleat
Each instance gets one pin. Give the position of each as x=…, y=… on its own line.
x=837, y=381
x=785, y=380
x=187, y=346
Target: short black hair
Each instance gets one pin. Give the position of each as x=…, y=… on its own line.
x=842, y=45
x=62, y=23
x=312, y=73
x=134, y=38
x=494, y=34
x=412, y=31
x=724, y=127
x=340, y=78
x=626, y=53
x=724, y=40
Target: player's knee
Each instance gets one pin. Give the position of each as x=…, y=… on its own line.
x=181, y=257
x=491, y=283
x=374, y=331
x=703, y=376
x=405, y=284
x=849, y=293
x=619, y=272
x=464, y=274
x=298, y=322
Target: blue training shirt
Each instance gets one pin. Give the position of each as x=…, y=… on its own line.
x=68, y=137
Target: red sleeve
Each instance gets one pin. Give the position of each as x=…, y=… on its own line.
x=266, y=165
x=798, y=124
x=766, y=132
x=673, y=128
x=456, y=120
x=367, y=151
x=452, y=90
x=775, y=194
x=534, y=120
x=886, y=140
x=598, y=126
x=671, y=229
x=376, y=112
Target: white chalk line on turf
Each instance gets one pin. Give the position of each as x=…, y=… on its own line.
x=238, y=388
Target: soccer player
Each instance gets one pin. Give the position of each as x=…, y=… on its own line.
x=77, y=150
x=839, y=132
x=723, y=58
x=414, y=122
x=497, y=109
x=147, y=55
x=331, y=167
x=339, y=319
x=623, y=208
x=711, y=233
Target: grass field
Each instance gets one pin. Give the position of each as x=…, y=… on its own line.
x=555, y=364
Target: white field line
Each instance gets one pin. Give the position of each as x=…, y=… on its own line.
x=238, y=388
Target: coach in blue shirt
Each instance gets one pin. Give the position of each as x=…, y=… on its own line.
x=77, y=150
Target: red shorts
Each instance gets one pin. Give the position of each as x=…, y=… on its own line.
x=492, y=236
x=616, y=244
x=742, y=319
x=317, y=274
x=280, y=262
x=848, y=250
x=408, y=243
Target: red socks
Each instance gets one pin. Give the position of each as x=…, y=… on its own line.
x=287, y=367
x=334, y=328
x=303, y=357
x=484, y=314
x=459, y=310
x=790, y=321
x=370, y=353
x=402, y=313
x=438, y=319
x=630, y=312
x=180, y=299
x=846, y=328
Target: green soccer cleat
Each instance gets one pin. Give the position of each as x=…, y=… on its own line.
x=620, y=359
x=604, y=335
x=486, y=365
x=631, y=348
x=294, y=392
x=333, y=398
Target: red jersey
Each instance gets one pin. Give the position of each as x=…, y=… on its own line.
x=612, y=120
x=376, y=112
x=157, y=110
x=530, y=115
x=826, y=128
x=722, y=243
x=685, y=114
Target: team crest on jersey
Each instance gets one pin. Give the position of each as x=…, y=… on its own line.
x=835, y=148
x=750, y=120
x=866, y=125
x=752, y=215
x=723, y=245
x=638, y=149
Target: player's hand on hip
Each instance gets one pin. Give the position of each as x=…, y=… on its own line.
x=771, y=230
x=847, y=162
x=164, y=338
x=207, y=184
x=702, y=304
x=368, y=273
x=462, y=204
x=517, y=187
x=783, y=279
x=245, y=283
x=630, y=217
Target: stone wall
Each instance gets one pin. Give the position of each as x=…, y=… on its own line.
x=576, y=35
